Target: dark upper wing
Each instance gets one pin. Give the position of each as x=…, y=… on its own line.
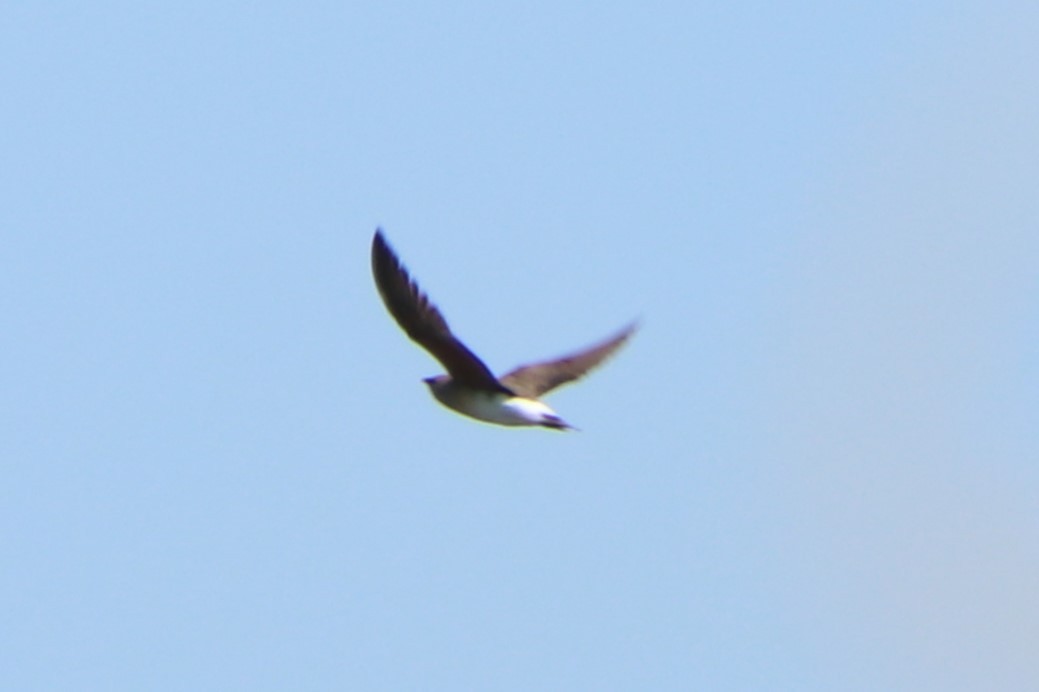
x=421, y=320
x=536, y=379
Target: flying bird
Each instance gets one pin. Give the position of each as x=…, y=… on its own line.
x=469, y=387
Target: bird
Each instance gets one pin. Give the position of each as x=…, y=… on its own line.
x=469, y=387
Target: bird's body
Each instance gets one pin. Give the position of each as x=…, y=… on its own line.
x=493, y=407
x=470, y=388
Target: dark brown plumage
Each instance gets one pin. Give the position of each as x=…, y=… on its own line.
x=422, y=321
x=533, y=380
x=470, y=387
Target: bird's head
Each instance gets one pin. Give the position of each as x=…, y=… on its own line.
x=437, y=381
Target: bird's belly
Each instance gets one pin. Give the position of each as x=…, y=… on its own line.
x=504, y=410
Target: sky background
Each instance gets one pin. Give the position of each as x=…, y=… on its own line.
x=814, y=468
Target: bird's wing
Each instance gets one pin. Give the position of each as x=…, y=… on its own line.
x=537, y=378
x=421, y=320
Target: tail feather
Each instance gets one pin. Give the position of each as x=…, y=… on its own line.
x=555, y=423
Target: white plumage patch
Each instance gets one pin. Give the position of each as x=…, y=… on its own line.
x=509, y=411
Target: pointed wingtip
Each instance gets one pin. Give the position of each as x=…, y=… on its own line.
x=385, y=262
x=379, y=239
x=382, y=259
x=622, y=335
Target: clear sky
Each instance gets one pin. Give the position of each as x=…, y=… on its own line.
x=815, y=467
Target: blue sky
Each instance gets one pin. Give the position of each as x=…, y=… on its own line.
x=814, y=468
